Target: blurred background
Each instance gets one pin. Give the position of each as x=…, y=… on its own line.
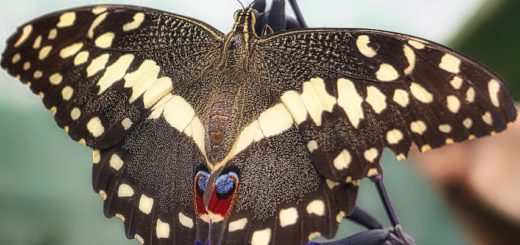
x=442, y=197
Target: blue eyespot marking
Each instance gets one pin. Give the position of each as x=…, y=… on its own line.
x=202, y=180
x=225, y=183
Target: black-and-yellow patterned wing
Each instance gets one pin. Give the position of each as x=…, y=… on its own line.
x=123, y=80
x=353, y=92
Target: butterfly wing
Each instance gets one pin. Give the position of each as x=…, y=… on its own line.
x=353, y=92
x=125, y=81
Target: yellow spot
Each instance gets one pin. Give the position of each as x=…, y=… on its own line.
x=98, y=10
x=96, y=156
x=103, y=195
x=494, y=88
x=105, y=40
x=159, y=89
x=401, y=157
x=126, y=123
x=26, y=65
x=362, y=44
x=420, y=93
x=316, y=207
x=37, y=74
x=121, y=217
x=66, y=129
x=95, y=127
x=16, y=58
x=467, y=123
x=139, y=239
x=82, y=141
x=97, y=64
x=141, y=79
x=426, y=148
x=456, y=82
x=314, y=235
x=37, y=42
x=350, y=101
x=418, y=127
x=450, y=63
x=44, y=52
x=54, y=110
x=162, y=229
x=81, y=58
x=53, y=33
x=26, y=32
x=376, y=99
x=178, y=113
x=145, y=204
x=401, y=97
x=261, y=237
x=75, y=113
x=114, y=72
x=316, y=99
x=488, y=118
x=453, y=103
x=410, y=58
x=416, y=44
x=445, y=128
x=342, y=161
x=116, y=162
x=275, y=120
x=372, y=172
x=387, y=73
x=67, y=92
x=394, y=136
x=371, y=154
x=312, y=146
x=294, y=104
x=341, y=215
x=70, y=50
x=55, y=78
x=472, y=137
x=67, y=19
x=288, y=217
x=125, y=191
x=237, y=225
x=95, y=24
x=135, y=23
x=449, y=141
x=470, y=95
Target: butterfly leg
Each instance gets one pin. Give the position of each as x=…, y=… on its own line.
x=298, y=14
x=275, y=20
x=365, y=219
x=378, y=181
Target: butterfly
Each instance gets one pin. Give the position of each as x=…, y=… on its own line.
x=244, y=137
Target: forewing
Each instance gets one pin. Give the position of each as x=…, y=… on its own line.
x=352, y=92
x=100, y=69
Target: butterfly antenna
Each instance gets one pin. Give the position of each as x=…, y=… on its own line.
x=251, y=4
x=241, y=4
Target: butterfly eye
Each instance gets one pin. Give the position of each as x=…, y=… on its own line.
x=236, y=14
x=226, y=184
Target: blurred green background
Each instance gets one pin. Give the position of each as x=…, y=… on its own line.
x=45, y=188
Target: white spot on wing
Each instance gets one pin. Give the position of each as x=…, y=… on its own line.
x=416, y=44
x=312, y=146
x=418, y=127
x=126, y=123
x=44, y=52
x=162, y=229
x=159, y=89
x=494, y=88
x=145, y=204
x=178, y=113
x=342, y=161
x=139, y=239
x=467, y=123
x=75, y=113
x=55, y=78
x=261, y=237
x=185, y=220
x=95, y=127
x=275, y=120
x=453, y=103
x=66, y=19
x=376, y=99
x=70, y=50
x=288, y=217
x=67, y=92
x=292, y=100
x=456, y=82
x=316, y=207
x=95, y=24
x=81, y=58
x=16, y=58
x=37, y=42
x=401, y=97
x=316, y=99
x=371, y=154
x=105, y=40
x=26, y=32
x=125, y=190
x=420, y=93
x=141, y=79
x=114, y=72
x=394, y=136
x=445, y=128
x=362, y=44
x=135, y=23
x=116, y=162
x=470, y=95
x=488, y=118
x=387, y=73
x=450, y=63
x=410, y=57
x=53, y=33
x=237, y=225
x=96, y=156
x=97, y=64
x=350, y=101
x=247, y=136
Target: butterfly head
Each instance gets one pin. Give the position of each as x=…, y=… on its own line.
x=215, y=193
x=245, y=20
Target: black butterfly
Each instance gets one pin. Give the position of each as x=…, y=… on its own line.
x=248, y=137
